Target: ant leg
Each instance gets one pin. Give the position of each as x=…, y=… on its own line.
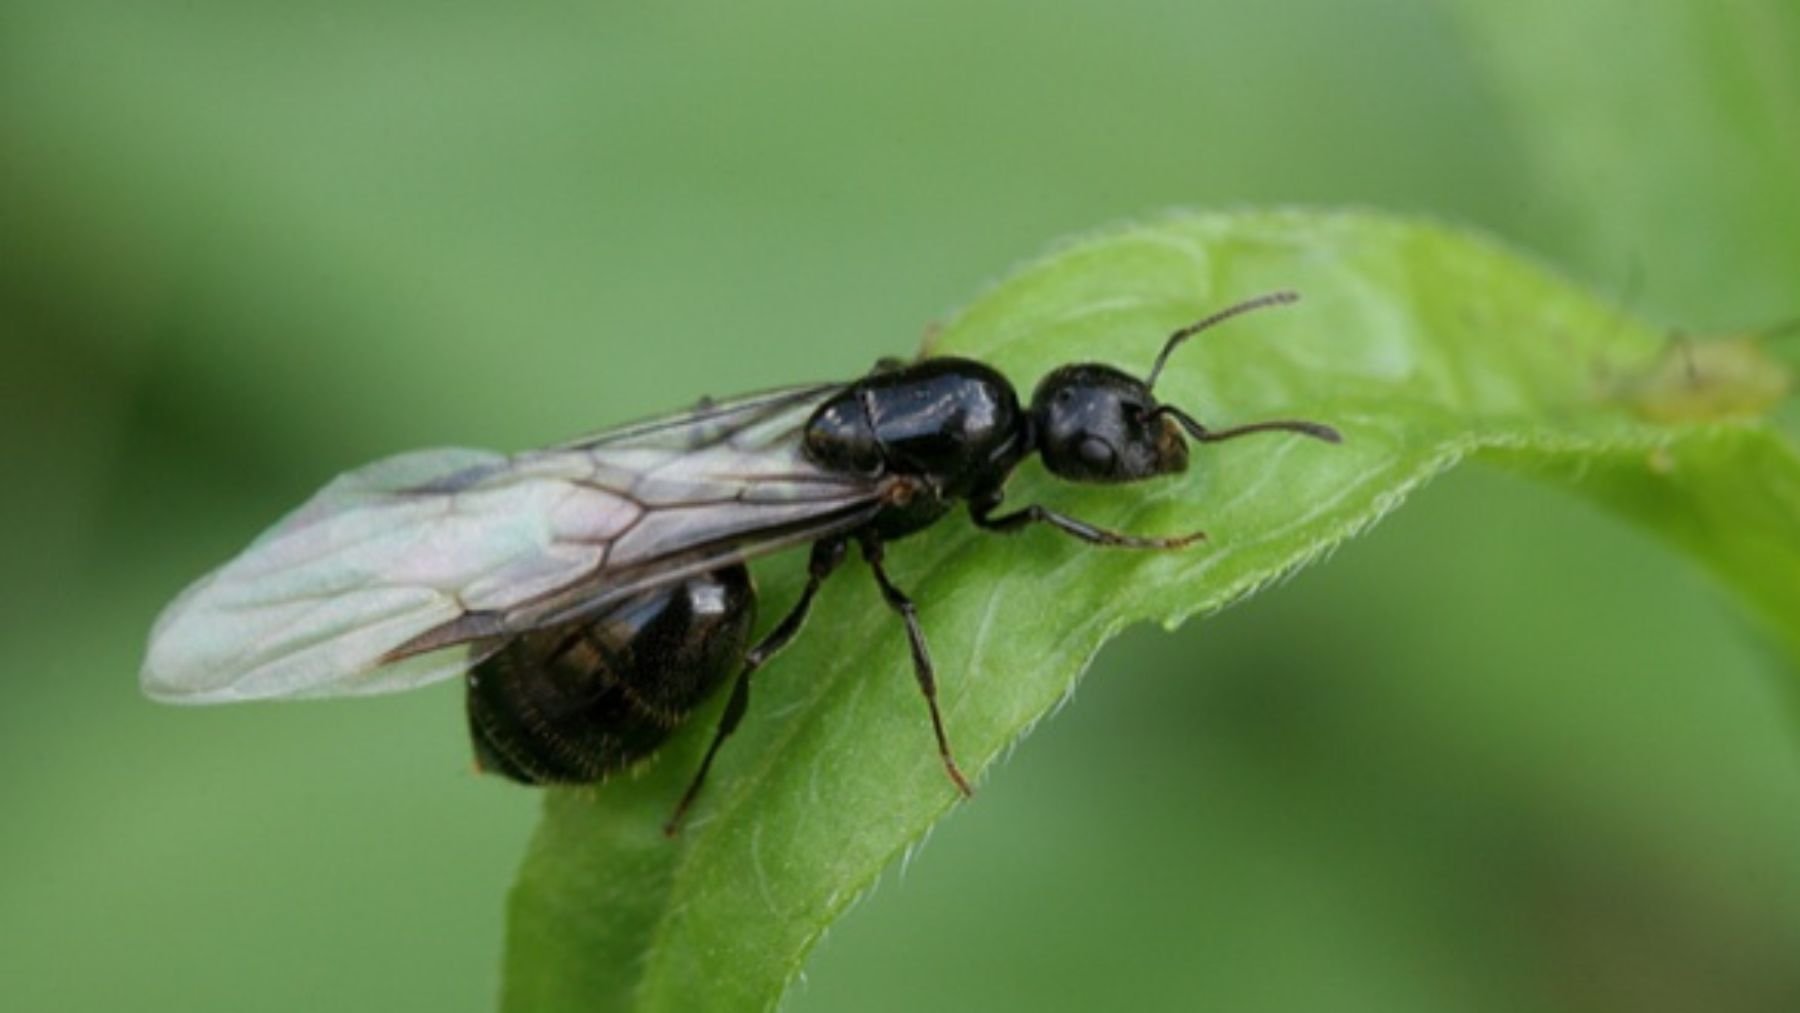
x=825, y=558
x=982, y=511
x=921, y=658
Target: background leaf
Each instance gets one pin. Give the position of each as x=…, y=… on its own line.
x=1424, y=346
x=1701, y=227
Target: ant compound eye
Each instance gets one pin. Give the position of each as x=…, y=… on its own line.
x=1097, y=454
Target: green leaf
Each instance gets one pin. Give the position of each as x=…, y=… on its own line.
x=1662, y=138
x=1423, y=345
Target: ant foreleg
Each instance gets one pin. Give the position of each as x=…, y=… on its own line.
x=982, y=511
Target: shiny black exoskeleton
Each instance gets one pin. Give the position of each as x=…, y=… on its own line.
x=933, y=434
x=570, y=705
x=954, y=424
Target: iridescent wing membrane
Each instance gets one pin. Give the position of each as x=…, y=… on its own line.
x=416, y=567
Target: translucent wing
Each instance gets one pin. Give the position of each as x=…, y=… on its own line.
x=411, y=569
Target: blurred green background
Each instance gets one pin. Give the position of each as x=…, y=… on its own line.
x=1503, y=753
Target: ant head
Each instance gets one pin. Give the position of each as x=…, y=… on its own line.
x=1094, y=423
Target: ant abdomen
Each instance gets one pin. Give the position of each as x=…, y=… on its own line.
x=573, y=704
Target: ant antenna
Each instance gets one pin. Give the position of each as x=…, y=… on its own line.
x=1316, y=430
x=1272, y=299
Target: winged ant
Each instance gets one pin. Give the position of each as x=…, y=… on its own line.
x=594, y=594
